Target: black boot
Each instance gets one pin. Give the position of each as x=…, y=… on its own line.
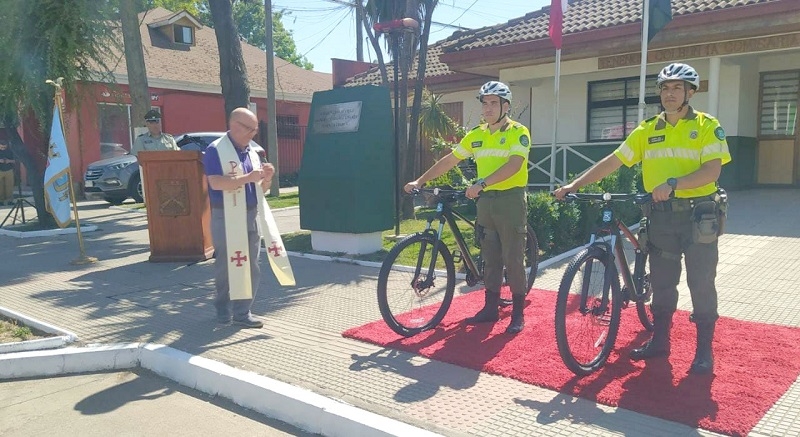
x=703, y=362
x=658, y=345
x=517, y=318
x=489, y=311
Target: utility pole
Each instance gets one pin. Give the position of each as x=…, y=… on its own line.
x=272, y=127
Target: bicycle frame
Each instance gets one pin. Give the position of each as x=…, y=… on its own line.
x=615, y=230
x=446, y=214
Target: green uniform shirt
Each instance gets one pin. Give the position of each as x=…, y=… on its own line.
x=492, y=150
x=145, y=142
x=667, y=151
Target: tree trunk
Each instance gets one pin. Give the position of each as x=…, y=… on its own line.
x=134, y=58
x=232, y=70
x=419, y=84
x=35, y=177
x=374, y=41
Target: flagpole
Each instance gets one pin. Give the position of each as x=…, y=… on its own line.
x=553, y=148
x=643, y=66
x=82, y=258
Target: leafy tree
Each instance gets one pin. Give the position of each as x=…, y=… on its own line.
x=402, y=46
x=42, y=40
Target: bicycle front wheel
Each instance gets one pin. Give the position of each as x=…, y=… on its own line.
x=531, y=268
x=588, y=311
x=412, y=296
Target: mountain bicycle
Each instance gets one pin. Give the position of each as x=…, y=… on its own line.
x=418, y=277
x=590, y=299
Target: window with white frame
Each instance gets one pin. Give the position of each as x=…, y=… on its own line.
x=614, y=106
x=183, y=34
x=779, y=96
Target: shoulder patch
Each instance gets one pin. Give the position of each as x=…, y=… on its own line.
x=719, y=132
x=523, y=139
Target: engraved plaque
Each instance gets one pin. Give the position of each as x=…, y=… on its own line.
x=173, y=197
x=337, y=118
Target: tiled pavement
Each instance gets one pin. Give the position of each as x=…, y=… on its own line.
x=125, y=298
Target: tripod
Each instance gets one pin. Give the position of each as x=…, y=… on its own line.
x=19, y=206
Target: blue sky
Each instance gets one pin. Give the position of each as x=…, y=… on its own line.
x=325, y=29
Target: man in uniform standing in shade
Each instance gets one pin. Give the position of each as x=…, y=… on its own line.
x=153, y=140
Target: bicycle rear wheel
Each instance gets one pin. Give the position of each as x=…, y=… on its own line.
x=588, y=311
x=643, y=306
x=531, y=268
x=412, y=297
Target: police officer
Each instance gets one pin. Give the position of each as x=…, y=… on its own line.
x=500, y=148
x=682, y=152
x=154, y=139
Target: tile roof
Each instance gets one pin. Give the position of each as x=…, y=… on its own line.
x=199, y=64
x=581, y=16
x=433, y=68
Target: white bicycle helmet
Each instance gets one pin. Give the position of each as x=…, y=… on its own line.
x=495, y=88
x=678, y=71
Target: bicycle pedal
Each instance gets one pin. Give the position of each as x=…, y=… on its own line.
x=457, y=257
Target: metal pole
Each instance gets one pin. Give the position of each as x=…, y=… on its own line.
x=643, y=64
x=553, y=146
x=395, y=44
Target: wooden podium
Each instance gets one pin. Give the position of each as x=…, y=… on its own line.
x=178, y=212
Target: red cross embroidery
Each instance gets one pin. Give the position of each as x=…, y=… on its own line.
x=239, y=258
x=275, y=249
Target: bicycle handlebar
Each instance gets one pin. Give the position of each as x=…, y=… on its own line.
x=637, y=198
x=441, y=193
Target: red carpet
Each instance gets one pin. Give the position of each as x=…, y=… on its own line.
x=755, y=363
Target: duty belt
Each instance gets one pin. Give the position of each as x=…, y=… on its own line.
x=679, y=205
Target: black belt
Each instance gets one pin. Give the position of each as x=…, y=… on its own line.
x=499, y=193
x=679, y=205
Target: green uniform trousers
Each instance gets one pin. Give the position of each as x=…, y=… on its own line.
x=502, y=228
x=670, y=234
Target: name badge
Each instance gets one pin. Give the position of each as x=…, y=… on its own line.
x=658, y=139
x=477, y=144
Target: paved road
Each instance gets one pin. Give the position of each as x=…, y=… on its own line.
x=124, y=298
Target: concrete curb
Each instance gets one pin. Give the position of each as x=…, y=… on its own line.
x=296, y=406
x=61, y=340
x=46, y=232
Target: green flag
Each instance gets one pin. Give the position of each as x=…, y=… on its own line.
x=660, y=15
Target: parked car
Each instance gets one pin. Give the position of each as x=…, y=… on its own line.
x=116, y=179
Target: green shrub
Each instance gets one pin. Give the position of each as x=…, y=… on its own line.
x=562, y=226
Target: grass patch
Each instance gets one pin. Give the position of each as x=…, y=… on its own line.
x=11, y=331
x=301, y=241
x=284, y=200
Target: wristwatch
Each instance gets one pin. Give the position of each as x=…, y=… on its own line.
x=481, y=182
x=672, y=182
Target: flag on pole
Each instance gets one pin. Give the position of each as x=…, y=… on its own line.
x=557, y=10
x=660, y=15
x=56, y=175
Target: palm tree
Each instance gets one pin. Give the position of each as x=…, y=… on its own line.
x=402, y=51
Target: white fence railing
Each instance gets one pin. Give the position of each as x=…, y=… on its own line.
x=572, y=155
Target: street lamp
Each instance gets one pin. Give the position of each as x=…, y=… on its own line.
x=395, y=29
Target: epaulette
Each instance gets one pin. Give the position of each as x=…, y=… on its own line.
x=476, y=127
x=141, y=135
x=651, y=119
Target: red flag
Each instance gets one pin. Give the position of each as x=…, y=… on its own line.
x=557, y=9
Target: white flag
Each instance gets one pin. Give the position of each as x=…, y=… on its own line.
x=56, y=176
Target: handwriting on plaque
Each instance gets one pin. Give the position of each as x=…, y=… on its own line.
x=337, y=117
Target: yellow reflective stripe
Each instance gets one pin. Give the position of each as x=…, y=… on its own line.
x=519, y=150
x=626, y=151
x=673, y=152
x=461, y=152
x=483, y=153
x=714, y=149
